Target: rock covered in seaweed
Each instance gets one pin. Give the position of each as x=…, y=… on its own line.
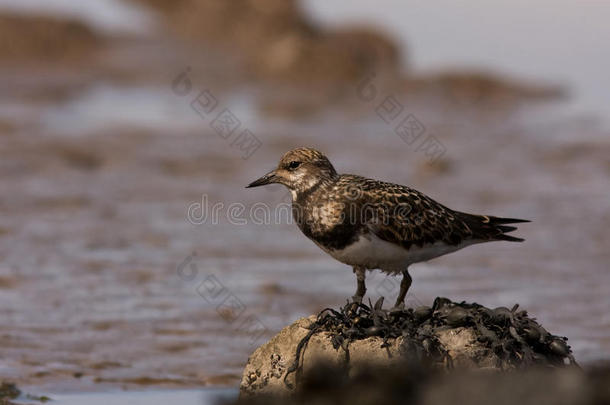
x=425, y=386
x=445, y=336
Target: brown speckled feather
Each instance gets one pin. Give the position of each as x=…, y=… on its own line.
x=353, y=205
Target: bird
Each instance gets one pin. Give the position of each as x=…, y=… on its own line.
x=375, y=225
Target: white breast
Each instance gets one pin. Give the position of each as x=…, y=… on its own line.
x=372, y=252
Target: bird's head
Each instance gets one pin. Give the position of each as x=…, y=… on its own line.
x=299, y=169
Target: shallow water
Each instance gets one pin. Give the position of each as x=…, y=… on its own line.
x=209, y=396
x=97, y=229
x=95, y=292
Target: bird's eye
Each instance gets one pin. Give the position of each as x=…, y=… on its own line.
x=293, y=165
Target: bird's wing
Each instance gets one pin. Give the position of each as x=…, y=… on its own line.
x=404, y=216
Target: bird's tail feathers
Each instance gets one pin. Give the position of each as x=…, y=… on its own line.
x=492, y=228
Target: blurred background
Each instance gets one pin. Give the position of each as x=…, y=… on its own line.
x=125, y=124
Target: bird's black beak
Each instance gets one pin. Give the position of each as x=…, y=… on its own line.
x=268, y=178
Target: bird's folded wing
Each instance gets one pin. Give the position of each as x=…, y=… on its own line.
x=409, y=218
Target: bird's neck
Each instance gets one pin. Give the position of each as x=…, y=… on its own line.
x=301, y=194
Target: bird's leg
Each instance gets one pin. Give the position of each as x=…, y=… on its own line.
x=360, y=275
x=404, y=287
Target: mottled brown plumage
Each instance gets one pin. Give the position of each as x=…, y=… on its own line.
x=371, y=224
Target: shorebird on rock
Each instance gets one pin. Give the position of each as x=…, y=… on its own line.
x=370, y=224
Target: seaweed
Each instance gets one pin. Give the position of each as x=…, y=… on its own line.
x=517, y=339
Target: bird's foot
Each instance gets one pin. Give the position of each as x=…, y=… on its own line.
x=357, y=299
x=398, y=307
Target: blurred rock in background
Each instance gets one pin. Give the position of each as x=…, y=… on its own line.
x=42, y=39
x=279, y=43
